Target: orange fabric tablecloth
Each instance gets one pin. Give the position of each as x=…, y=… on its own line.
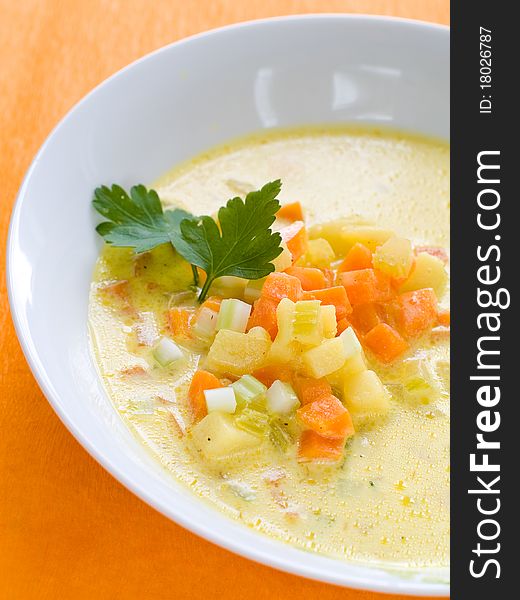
x=67, y=528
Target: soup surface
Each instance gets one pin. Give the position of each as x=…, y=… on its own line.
x=387, y=500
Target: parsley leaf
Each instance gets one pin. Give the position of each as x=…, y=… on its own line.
x=244, y=246
x=137, y=221
x=241, y=244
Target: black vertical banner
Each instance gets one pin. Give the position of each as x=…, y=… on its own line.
x=485, y=324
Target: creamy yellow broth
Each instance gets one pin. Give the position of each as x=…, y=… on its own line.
x=388, y=501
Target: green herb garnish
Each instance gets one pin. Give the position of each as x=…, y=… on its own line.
x=242, y=244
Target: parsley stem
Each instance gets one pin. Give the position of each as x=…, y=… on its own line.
x=195, y=275
x=205, y=289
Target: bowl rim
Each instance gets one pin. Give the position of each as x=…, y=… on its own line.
x=31, y=353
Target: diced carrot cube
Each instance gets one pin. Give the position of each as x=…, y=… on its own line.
x=295, y=236
x=268, y=375
x=416, y=312
x=309, y=389
x=443, y=318
x=357, y=258
x=202, y=380
x=385, y=342
x=342, y=325
x=365, y=317
x=313, y=446
x=335, y=296
x=291, y=212
x=310, y=277
x=179, y=321
x=328, y=417
x=264, y=315
x=366, y=285
x=282, y=285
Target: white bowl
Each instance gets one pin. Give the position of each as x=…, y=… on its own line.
x=163, y=109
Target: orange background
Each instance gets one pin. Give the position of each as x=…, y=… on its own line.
x=67, y=528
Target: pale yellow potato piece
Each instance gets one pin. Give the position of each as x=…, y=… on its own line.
x=284, y=260
x=216, y=436
x=353, y=365
x=342, y=235
x=329, y=325
x=394, y=257
x=238, y=353
x=319, y=253
x=429, y=272
x=364, y=394
x=325, y=358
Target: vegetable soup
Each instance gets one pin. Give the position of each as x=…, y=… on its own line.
x=272, y=321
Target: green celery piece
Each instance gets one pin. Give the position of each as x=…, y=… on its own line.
x=253, y=422
x=247, y=389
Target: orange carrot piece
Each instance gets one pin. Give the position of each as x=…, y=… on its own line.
x=385, y=342
x=264, y=315
x=443, y=318
x=357, y=258
x=416, y=312
x=328, y=417
x=202, y=380
x=291, y=212
x=295, y=236
x=365, y=317
x=436, y=251
x=281, y=285
x=335, y=296
x=342, y=325
x=313, y=446
x=310, y=277
x=268, y=375
x=366, y=285
x=179, y=321
x=309, y=389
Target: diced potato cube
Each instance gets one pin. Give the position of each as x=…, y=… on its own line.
x=394, y=257
x=353, y=365
x=284, y=260
x=319, y=253
x=285, y=318
x=329, y=325
x=429, y=272
x=238, y=353
x=326, y=358
x=364, y=394
x=342, y=234
x=350, y=342
x=216, y=436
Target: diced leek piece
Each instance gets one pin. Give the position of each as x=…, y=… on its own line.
x=229, y=286
x=329, y=325
x=205, y=323
x=421, y=387
x=306, y=322
x=284, y=259
x=279, y=435
x=233, y=315
x=247, y=389
x=259, y=403
x=221, y=400
x=281, y=398
x=253, y=290
x=217, y=436
x=350, y=342
x=254, y=422
x=166, y=352
x=326, y=358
